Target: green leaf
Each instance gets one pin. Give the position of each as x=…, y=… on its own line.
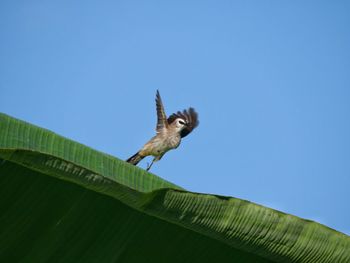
x=64, y=202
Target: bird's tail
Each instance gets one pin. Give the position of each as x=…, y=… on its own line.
x=135, y=158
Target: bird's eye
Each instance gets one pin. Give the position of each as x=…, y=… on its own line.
x=182, y=122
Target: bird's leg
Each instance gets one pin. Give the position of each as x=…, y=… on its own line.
x=149, y=166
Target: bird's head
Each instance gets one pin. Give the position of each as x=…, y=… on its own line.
x=180, y=124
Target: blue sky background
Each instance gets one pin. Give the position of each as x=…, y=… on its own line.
x=270, y=80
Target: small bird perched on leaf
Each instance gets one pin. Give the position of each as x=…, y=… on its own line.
x=169, y=133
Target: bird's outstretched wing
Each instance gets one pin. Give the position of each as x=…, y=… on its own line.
x=161, y=117
x=190, y=116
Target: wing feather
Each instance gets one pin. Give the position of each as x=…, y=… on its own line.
x=161, y=116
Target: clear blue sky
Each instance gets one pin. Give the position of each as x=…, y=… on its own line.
x=270, y=80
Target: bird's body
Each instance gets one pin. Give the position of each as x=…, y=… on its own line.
x=161, y=143
x=169, y=133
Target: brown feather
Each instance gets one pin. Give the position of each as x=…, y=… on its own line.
x=135, y=159
x=161, y=117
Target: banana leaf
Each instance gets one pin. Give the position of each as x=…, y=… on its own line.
x=62, y=201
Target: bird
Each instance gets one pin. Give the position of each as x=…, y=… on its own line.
x=169, y=130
